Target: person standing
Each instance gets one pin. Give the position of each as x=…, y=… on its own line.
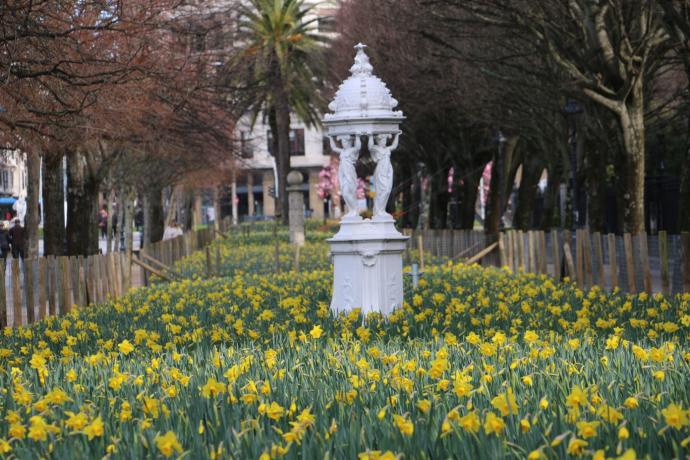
x=4, y=241
x=17, y=239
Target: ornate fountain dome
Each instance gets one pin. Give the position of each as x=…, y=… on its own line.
x=363, y=103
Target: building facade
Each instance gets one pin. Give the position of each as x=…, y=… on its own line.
x=252, y=194
x=309, y=150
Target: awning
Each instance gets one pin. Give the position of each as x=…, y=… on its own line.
x=7, y=200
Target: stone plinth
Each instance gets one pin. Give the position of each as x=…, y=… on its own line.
x=367, y=272
x=296, y=205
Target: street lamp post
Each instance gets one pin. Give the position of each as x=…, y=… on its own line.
x=571, y=109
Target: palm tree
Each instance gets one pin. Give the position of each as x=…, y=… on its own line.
x=283, y=54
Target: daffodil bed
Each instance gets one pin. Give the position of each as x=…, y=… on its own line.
x=254, y=251
x=478, y=364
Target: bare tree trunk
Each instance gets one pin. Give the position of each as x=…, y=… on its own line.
x=524, y=213
x=405, y=187
x=188, y=206
x=119, y=217
x=684, y=198
x=127, y=205
x=632, y=127
x=550, y=217
x=109, y=222
x=424, y=202
x=216, y=207
x=468, y=199
x=499, y=188
x=595, y=186
x=438, y=210
x=82, y=209
x=456, y=193
x=283, y=153
x=171, y=209
x=53, y=204
x=492, y=223
x=33, y=216
x=154, y=218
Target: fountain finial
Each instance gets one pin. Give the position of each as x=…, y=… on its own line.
x=361, y=65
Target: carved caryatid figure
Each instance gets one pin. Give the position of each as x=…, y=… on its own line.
x=347, y=174
x=383, y=174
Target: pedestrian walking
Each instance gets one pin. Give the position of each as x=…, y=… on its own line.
x=4, y=241
x=17, y=239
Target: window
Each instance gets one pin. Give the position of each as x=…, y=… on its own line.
x=246, y=149
x=326, y=24
x=327, y=147
x=6, y=180
x=296, y=142
x=219, y=38
x=199, y=41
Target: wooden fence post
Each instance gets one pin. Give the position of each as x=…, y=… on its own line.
x=42, y=287
x=543, y=255
x=3, y=295
x=521, y=250
x=90, y=286
x=685, y=259
x=531, y=253
x=420, y=244
x=555, y=247
x=76, y=282
x=509, y=244
x=613, y=261
x=67, y=302
x=218, y=271
x=81, y=266
x=97, y=286
x=107, y=277
x=644, y=260
x=587, y=257
x=16, y=294
x=29, y=280
x=598, y=257
x=517, y=250
x=208, y=263
x=568, y=256
x=53, y=302
x=450, y=234
x=663, y=259
x=502, y=258
x=118, y=274
x=629, y=264
x=579, y=260
x=114, y=279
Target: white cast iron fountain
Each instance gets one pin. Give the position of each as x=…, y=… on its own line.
x=367, y=253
